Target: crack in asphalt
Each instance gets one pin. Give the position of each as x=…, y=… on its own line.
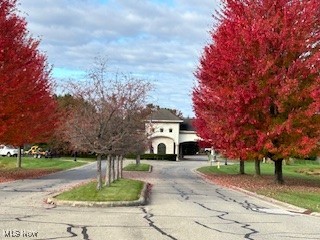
x=148, y=217
x=69, y=229
x=182, y=194
x=85, y=233
x=222, y=215
x=44, y=188
x=247, y=205
x=205, y=226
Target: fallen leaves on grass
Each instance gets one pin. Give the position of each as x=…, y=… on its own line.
x=255, y=184
x=309, y=171
x=17, y=174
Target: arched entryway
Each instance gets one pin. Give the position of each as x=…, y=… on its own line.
x=162, y=149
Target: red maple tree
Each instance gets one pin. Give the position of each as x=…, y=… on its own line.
x=258, y=92
x=27, y=106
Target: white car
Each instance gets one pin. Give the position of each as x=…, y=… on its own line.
x=7, y=150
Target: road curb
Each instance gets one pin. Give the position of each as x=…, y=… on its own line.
x=289, y=207
x=140, y=202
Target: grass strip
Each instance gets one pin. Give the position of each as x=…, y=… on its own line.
x=301, y=186
x=134, y=167
x=299, y=170
x=120, y=190
x=9, y=163
x=303, y=199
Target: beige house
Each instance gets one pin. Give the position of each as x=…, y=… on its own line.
x=171, y=135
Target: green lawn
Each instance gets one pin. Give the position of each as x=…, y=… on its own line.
x=301, y=198
x=135, y=167
x=9, y=163
x=301, y=188
x=299, y=169
x=120, y=190
x=34, y=167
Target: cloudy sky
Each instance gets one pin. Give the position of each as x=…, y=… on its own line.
x=160, y=41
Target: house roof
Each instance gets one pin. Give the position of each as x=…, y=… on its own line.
x=164, y=115
x=187, y=125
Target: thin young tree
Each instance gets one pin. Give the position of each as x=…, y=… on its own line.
x=131, y=122
x=101, y=118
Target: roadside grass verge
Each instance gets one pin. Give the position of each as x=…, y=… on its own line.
x=120, y=190
x=301, y=188
x=134, y=167
x=301, y=198
x=41, y=163
x=34, y=167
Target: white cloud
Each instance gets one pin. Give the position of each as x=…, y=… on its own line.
x=159, y=40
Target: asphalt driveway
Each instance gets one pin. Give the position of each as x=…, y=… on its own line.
x=182, y=206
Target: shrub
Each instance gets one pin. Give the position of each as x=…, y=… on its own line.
x=152, y=156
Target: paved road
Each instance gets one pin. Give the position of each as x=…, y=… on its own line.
x=182, y=206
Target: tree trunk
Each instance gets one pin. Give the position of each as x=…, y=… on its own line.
x=117, y=167
x=75, y=156
x=257, y=167
x=121, y=166
x=19, y=159
x=112, y=169
x=108, y=171
x=99, y=176
x=242, y=166
x=138, y=158
x=278, y=171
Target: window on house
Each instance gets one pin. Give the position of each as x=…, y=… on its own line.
x=161, y=129
x=170, y=130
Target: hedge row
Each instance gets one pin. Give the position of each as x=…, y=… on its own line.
x=151, y=156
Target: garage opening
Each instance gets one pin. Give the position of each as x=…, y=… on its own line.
x=189, y=148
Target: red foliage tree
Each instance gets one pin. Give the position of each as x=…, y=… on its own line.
x=258, y=92
x=26, y=103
